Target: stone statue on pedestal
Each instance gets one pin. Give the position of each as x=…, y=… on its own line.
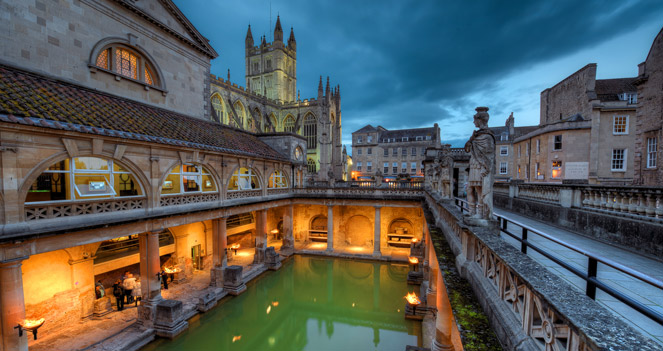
x=446, y=171
x=481, y=147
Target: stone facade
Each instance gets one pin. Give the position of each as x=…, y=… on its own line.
x=375, y=151
x=64, y=40
x=649, y=124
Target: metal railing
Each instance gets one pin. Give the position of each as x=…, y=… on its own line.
x=590, y=277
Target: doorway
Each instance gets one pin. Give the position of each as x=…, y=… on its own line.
x=196, y=257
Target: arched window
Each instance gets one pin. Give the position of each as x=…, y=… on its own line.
x=311, y=132
x=127, y=63
x=219, y=109
x=310, y=164
x=244, y=179
x=272, y=119
x=239, y=123
x=188, y=178
x=289, y=124
x=83, y=178
x=250, y=125
x=277, y=180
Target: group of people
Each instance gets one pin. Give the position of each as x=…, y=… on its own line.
x=127, y=288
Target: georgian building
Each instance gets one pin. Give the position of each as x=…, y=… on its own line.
x=391, y=153
x=271, y=104
x=586, y=132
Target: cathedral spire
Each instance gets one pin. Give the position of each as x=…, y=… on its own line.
x=292, y=43
x=249, y=38
x=278, y=31
x=320, y=89
x=263, y=42
x=327, y=87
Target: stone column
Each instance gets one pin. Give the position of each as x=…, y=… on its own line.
x=288, y=228
x=444, y=318
x=330, y=228
x=183, y=254
x=219, y=259
x=261, y=236
x=427, y=251
x=376, y=233
x=12, y=305
x=431, y=292
x=82, y=274
x=148, y=246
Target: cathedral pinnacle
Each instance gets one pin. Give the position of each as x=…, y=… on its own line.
x=292, y=43
x=278, y=31
x=249, y=38
x=327, y=87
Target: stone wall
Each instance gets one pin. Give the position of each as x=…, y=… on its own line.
x=58, y=39
x=640, y=236
x=570, y=96
x=649, y=122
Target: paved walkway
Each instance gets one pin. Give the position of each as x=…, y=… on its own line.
x=634, y=288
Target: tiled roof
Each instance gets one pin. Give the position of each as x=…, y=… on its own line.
x=410, y=133
x=608, y=89
x=367, y=129
x=27, y=98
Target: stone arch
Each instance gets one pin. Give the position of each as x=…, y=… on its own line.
x=318, y=222
x=40, y=167
x=402, y=223
x=275, y=123
x=289, y=124
x=177, y=162
x=219, y=108
x=359, y=231
x=241, y=115
x=257, y=172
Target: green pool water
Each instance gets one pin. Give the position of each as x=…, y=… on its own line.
x=311, y=303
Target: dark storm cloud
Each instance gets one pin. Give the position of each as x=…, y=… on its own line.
x=407, y=63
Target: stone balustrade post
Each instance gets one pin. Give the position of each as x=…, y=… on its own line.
x=330, y=228
x=376, y=233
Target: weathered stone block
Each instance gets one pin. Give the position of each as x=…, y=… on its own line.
x=232, y=280
x=102, y=306
x=169, y=320
x=417, y=249
x=207, y=301
x=272, y=259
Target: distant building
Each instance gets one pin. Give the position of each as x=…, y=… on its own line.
x=586, y=132
x=391, y=153
x=649, y=126
x=505, y=153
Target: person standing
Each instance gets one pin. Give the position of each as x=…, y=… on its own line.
x=164, y=279
x=128, y=285
x=118, y=292
x=137, y=291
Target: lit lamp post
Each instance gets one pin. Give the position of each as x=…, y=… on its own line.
x=411, y=307
x=30, y=325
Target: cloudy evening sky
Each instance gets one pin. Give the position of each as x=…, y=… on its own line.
x=412, y=63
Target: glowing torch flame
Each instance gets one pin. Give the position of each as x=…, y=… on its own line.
x=274, y=231
x=171, y=270
x=32, y=323
x=412, y=299
x=414, y=240
x=234, y=246
x=413, y=260
x=275, y=303
x=236, y=338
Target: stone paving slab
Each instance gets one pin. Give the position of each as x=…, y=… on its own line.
x=633, y=287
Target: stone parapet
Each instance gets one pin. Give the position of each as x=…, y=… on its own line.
x=529, y=307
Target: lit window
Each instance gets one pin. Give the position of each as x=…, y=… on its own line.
x=394, y=167
x=518, y=171
x=243, y=179
x=556, y=169
x=311, y=166
x=651, y=152
x=537, y=171
x=503, y=168
x=359, y=166
x=369, y=166
x=620, y=125
x=618, y=160
x=413, y=167
x=557, y=143
x=277, y=180
x=127, y=63
x=311, y=132
x=504, y=150
x=83, y=178
x=289, y=124
x=386, y=167
x=188, y=178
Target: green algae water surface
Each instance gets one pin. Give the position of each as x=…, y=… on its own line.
x=311, y=303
